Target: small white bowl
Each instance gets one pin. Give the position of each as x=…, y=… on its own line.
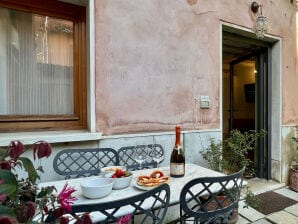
x=111, y=169
x=121, y=182
x=97, y=187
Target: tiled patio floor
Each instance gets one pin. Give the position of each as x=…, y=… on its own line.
x=288, y=215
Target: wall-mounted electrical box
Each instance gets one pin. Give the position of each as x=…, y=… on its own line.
x=205, y=102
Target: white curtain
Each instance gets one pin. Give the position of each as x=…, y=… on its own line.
x=36, y=64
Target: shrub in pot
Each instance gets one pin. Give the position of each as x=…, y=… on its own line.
x=231, y=155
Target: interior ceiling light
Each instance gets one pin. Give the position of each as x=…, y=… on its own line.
x=261, y=25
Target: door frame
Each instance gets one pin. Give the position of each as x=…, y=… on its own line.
x=275, y=90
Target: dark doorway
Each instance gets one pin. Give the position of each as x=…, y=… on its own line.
x=246, y=86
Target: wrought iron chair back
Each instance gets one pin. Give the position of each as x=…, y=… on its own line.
x=74, y=163
x=126, y=156
x=156, y=200
x=211, y=199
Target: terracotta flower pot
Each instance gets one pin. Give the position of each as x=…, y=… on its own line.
x=294, y=178
x=213, y=205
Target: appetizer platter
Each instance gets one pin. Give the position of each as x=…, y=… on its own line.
x=147, y=182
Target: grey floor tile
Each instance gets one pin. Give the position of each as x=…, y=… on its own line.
x=249, y=213
x=293, y=209
x=262, y=221
x=259, y=186
x=282, y=217
x=242, y=220
x=288, y=193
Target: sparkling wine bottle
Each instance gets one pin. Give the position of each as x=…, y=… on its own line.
x=177, y=165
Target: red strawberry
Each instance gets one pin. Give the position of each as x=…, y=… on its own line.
x=114, y=176
x=119, y=173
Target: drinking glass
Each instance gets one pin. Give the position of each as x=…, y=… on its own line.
x=157, y=154
x=140, y=154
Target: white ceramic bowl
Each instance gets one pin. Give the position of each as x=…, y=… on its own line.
x=97, y=187
x=111, y=169
x=121, y=182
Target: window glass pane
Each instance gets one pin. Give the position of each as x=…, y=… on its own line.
x=36, y=64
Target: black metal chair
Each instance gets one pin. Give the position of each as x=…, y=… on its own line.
x=74, y=163
x=126, y=156
x=211, y=199
x=155, y=204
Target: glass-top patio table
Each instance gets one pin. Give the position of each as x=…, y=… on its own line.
x=176, y=184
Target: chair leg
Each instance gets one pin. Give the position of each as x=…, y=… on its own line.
x=182, y=220
x=180, y=217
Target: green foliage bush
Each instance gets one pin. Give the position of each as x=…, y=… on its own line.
x=231, y=155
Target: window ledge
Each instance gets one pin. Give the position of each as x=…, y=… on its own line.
x=28, y=138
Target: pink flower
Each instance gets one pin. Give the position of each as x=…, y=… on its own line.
x=65, y=199
x=5, y=165
x=16, y=148
x=85, y=219
x=42, y=149
x=2, y=197
x=59, y=212
x=124, y=219
x=26, y=211
x=64, y=220
x=8, y=220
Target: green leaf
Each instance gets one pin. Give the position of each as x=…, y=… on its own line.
x=40, y=168
x=3, y=153
x=6, y=211
x=46, y=191
x=28, y=166
x=10, y=185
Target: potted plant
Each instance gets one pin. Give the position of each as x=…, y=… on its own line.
x=231, y=155
x=21, y=200
x=293, y=174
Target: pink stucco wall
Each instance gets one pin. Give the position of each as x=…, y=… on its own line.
x=155, y=58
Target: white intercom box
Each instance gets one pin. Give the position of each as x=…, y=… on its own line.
x=205, y=102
